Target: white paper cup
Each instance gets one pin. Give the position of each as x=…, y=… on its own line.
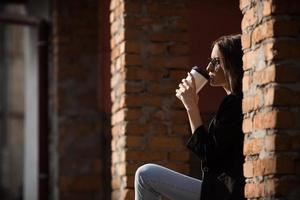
x=201, y=77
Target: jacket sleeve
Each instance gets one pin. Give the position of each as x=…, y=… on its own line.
x=224, y=132
x=197, y=141
x=227, y=128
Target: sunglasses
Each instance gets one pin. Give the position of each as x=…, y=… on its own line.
x=214, y=62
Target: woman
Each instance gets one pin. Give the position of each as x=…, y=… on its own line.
x=220, y=148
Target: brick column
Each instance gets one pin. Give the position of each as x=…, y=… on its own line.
x=271, y=102
x=149, y=58
x=77, y=150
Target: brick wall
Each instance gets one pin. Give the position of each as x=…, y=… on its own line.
x=149, y=57
x=271, y=44
x=77, y=156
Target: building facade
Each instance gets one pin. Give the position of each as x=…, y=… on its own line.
x=95, y=93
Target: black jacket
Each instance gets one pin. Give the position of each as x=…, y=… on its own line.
x=220, y=149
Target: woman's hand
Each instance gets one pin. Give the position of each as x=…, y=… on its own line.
x=187, y=93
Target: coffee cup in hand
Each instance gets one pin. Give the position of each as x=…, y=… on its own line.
x=201, y=77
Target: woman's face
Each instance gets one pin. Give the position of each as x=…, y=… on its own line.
x=216, y=69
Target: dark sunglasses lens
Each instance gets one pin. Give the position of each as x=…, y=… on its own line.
x=214, y=62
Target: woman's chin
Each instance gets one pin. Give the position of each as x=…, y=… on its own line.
x=213, y=84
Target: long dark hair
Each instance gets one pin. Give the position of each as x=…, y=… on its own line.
x=231, y=49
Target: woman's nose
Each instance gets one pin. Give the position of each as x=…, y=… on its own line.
x=209, y=67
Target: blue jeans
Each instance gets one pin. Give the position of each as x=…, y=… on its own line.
x=153, y=181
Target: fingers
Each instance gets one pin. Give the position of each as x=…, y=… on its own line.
x=193, y=80
x=183, y=86
x=186, y=83
x=178, y=94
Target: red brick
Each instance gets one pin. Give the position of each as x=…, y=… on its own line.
x=115, y=53
x=246, y=40
x=247, y=81
x=277, y=165
x=114, y=4
x=132, y=101
x=282, y=97
x=133, y=128
x=116, y=194
x=254, y=190
x=244, y=4
x=166, y=88
x=162, y=10
x=130, y=141
x=128, y=194
x=178, y=24
x=180, y=62
x=164, y=37
x=272, y=7
x=144, y=156
x=249, y=59
x=253, y=146
x=269, y=51
x=134, y=87
x=258, y=101
x=136, y=22
x=166, y=143
x=247, y=125
x=285, y=164
x=287, y=74
x=119, y=10
x=278, y=142
x=275, y=28
x=259, y=167
x=115, y=27
x=179, y=116
x=179, y=49
x=267, y=8
x=249, y=18
x=283, y=49
x=118, y=129
x=248, y=169
x=132, y=34
x=295, y=140
x=156, y=49
x=248, y=104
x=179, y=156
x=82, y=183
x=286, y=28
x=126, y=114
x=136, y=100
x=131, y=59
x=128, y=181
x=119, y=37
x=178, y=75
x=262, y=32
x=178, y=167
x=273, y=119
x=181, y=129
x=133, y=7
x=132, y=47
x=116, y=182
x=138, y=73
x=267, y=75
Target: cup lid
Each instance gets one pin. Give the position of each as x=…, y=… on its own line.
x=201, y=71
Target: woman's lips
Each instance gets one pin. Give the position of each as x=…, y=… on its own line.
x=211, y=75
